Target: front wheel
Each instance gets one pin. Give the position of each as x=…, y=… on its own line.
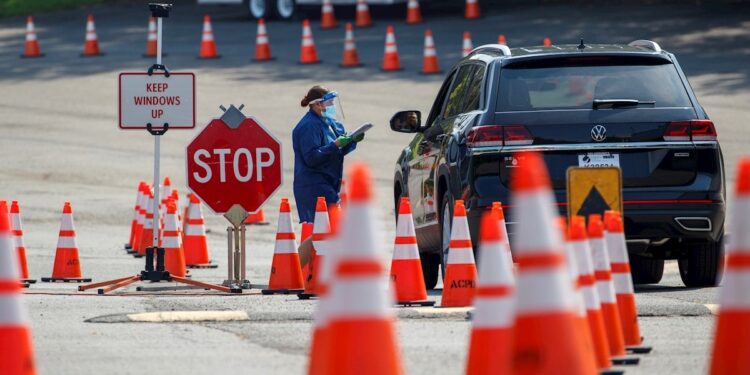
x=259, y=8
x=284, y=9
x=702, y=264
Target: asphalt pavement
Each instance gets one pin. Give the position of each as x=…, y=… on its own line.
x=59, y=141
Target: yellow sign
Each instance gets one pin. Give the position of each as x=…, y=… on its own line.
x=594, y=190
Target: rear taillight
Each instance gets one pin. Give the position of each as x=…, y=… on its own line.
x=697, y=130
x=498, y=135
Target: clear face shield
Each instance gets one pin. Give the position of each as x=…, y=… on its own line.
x=333, y=108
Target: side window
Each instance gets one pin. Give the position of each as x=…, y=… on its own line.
x=454, y=103
x=475, y=90
x=437, y=106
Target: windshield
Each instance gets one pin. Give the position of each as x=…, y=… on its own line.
x=573, y=84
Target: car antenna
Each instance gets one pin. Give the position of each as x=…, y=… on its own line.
x=581, y=46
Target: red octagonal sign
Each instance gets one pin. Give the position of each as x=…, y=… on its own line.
x=228, y=166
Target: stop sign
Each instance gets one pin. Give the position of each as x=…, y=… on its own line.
x=234, y=161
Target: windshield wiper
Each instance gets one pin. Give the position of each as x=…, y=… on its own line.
x=619, y=103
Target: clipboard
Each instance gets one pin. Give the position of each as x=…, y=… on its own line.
x=361, y=130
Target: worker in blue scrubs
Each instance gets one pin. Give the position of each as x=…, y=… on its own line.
x=320, y=143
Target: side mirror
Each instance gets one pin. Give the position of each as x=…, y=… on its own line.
x=407, y=122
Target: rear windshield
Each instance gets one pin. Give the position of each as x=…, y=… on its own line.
x=575, y=83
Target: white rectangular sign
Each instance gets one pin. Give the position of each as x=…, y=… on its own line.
x=157, y=100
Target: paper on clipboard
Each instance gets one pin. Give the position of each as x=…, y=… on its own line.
x=361, y=130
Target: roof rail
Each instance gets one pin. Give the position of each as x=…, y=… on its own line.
x=647, y=44
x=502, y=48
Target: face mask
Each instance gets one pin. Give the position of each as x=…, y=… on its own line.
x=330, y=112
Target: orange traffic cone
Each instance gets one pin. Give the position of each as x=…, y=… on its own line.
x=67, y=266
x=363, y=18
x=430, y=60
x=16, y=356
x=606, y=289
x=467, y=46
x=406, y=267
x=343, y=195
x=413, y=14
x=262, y=45
x=91, y=45
x=545, y=306
x=327, y=17
x=141, y=220
x=356, y=310
x=134, y=221
x=308, y=53
x=350, y=60
x=208, y=45
x=17, y=228
x=547, y=42
x=286, y=275
x=390, y=58
x=321, y=230
x=151, y=39
x=499, y=215
x=501, y=40
x=620, y=264
x=731, y=338
x=471, y=11
x=31, y=48
x=194, y=237
x=585, y=269
x=491, y=344
x=256, y=218
x=147, y=231
x=174, y=256
x=461, y=271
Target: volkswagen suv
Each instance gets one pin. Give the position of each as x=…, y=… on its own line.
x=629, y=106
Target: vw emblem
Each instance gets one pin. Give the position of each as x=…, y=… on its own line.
x=599, y=133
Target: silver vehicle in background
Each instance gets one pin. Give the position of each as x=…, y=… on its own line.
x=286, y=9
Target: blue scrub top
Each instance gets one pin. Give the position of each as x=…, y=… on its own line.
x=318, y=162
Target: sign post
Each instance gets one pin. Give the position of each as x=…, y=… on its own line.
x=234, y=166
x=156, y=101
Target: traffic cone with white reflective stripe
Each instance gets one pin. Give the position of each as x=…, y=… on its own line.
x=491, y=343
x=16, y=350
x=413, y=14
x=134, y=222
x=91, y=45
x=429, y=61
x=461, y=272
x=620, y=265
x=262, y=45
x=141, y=220
x=31, y=47
x=359, y=322
x=286, y=274
x=314, y=284
x=147, y=230
x=585, y=269
x=208, y=44
x=67, y=265
x=256, y=218
x=406, y=267
x=546, y=340
x=732, y=332
x=350, y=60
x=308, y=52
x=151, y=38
x=391, y=60
x=471, y=10
x=194, y=237
x=499, y=215
x=363, y=18
x=327, y=16
x=17, y=228
x=174, y=255
x=467, y=46
x=606, y=289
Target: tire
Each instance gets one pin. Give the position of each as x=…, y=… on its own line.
x=257, y=9
x=701, y=266
x=646, y=270
x=446, y=219
x=284, y=10
x=430, y=269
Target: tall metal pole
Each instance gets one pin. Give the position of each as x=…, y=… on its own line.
x=157, y=149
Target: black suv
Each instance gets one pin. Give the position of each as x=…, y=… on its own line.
x=580, y=105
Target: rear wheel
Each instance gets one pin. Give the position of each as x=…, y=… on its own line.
x=284, y=9
x=700, y=267
x=430, y=268
x=280, y=9
x=259, y=8
x=646, y=270
x=446, y=219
